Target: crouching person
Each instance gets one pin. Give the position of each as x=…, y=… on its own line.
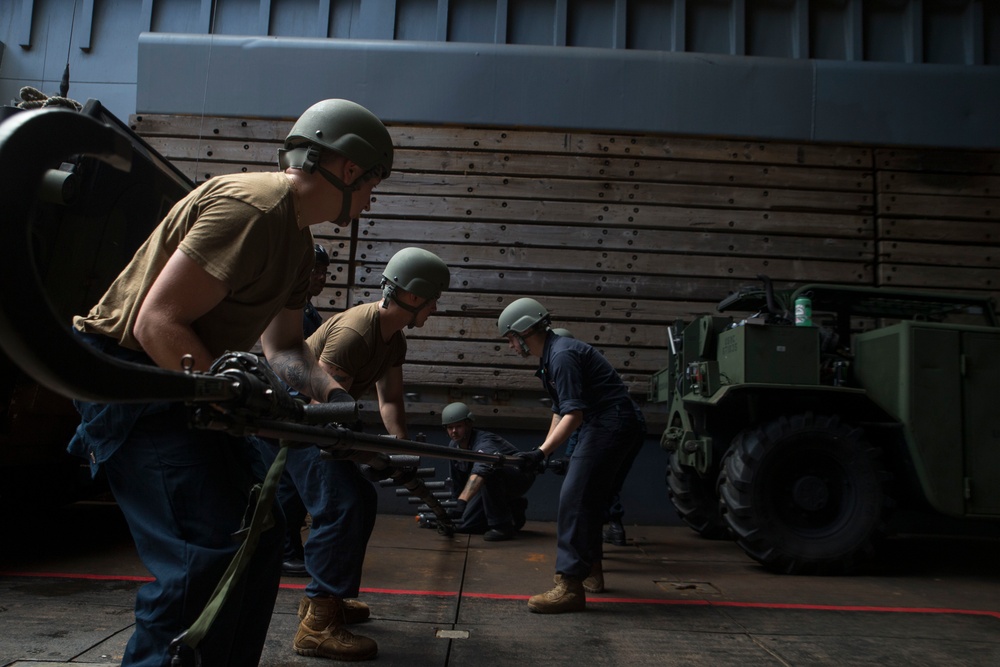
x=490, y=499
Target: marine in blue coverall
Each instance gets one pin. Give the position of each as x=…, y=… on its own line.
x=489, y=499
x=587, y=394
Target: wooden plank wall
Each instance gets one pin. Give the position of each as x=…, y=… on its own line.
x=938, y=215
x=617, y=235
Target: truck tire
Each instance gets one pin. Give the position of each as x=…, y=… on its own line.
x=805, y=494
x=696, y=499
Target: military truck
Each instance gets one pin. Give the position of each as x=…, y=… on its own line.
x=799, y=433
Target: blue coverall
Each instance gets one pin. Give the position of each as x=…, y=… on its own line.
x=185, y=547
x=578, y=377
x=503, y=487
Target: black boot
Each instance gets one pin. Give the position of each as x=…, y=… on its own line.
x=518, y=508
x=499, y=533
x=615, y=533
x=294, y=567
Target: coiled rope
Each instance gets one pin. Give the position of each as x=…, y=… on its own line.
x=32, y=98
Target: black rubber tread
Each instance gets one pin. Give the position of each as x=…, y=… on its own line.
x=696, y=500
x=805, y=494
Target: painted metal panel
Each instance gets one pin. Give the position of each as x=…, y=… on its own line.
x=991, y=37
x=981, y=386
x=950, y=36
x=653, y=25
x=531, y=22
x=591, y=23
x=835, y=29
x=809, y=71
x=633, y=91
x=472, y=21
x=179, y=16
x=889, y=34
x=935, y=414
x=84, y=25
x=343, y=18
x=774, y=29
x=895, y=104
x=297, y=17
x=710, y=27
x=24, y=23
x=375, y=20
x=415, y=20
x=236, y=17
x=912, y=372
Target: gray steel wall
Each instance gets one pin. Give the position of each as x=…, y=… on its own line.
x=888, y=72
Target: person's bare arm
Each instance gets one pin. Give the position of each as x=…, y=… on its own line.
x=181, y=294
x=472, y=487
x=288, y=355
x=338, y=374
x=391, y=403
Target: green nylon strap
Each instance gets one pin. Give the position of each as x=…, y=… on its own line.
x=261, y=519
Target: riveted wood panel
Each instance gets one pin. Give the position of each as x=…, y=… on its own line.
x=938, y=222
x=619, y=236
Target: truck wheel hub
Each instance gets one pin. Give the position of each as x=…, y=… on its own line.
x=810, y=493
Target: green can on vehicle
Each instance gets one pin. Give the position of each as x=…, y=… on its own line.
x=800, y=441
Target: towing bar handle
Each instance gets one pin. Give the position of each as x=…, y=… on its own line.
x=339, y=436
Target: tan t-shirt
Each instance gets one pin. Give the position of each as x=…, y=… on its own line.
x=352, y=341
x=242, y=230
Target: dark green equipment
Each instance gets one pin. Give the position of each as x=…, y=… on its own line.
x=802, y=439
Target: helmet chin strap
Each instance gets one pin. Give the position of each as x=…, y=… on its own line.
x=521, y=345
x=347, y=192
x=389, y=292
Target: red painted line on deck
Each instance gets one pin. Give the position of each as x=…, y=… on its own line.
x=761, y=605
x=75, y=575
x=386, y=591
x=592, y=600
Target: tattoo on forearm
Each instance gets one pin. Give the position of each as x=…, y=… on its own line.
x=472, y=486
x=298, y=373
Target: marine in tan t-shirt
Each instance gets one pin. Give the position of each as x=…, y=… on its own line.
x=353, y=342
x=242, y=230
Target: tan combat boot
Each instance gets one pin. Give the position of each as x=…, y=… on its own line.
x=567, y=596
x=355, y=611
x=595, y=582
x=322, y=633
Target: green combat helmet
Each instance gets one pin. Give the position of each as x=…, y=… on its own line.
x=520, y=317
x=345, y=128
x=455, y=412
x=417, y=271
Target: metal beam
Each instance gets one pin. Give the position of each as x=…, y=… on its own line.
x=264, y=18
x=84, y=26
x=441, y=24
x=541, y=86
x=24, y=26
